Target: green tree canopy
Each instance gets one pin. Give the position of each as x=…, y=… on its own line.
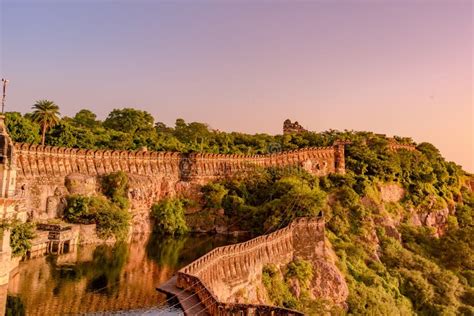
x=21, y=129
x=86, y=118
x=129, y=120
x=45, y=113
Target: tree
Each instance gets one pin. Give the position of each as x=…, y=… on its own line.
x=86, y=118
x=46, y=113
x=129, y=120
x=21, y=129
x=169, y=217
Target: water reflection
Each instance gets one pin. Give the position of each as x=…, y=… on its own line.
x=104, y=278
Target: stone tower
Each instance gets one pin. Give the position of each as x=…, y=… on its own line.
x=7, y=162
x=340, y=160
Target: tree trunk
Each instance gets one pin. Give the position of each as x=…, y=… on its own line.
x=43, y=135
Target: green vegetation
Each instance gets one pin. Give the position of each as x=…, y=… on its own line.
x=289, y=287
x=108, y=211
x=267, y=199
x=21, y=235
x=278, y=290
x=20, y=238
x=168, y=215
x=46, y=114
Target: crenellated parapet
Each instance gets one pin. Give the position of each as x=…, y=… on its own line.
x=217, y=276
x=37, y=160
x=42, y=171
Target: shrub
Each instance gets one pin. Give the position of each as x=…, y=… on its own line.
x=78, y=210
x=115, y=187
x=111, y=219
x=301, y=270
x=213, y=195
x=169, y=217
x=278, y=291
x=20, y=238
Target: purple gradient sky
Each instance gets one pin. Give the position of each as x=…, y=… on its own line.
x=394, y=67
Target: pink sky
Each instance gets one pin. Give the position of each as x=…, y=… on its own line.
x=394, y=67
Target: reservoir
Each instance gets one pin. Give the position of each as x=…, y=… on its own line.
x=118, y=279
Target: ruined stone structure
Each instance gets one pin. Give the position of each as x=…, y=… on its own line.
x=396, y=146
x=9, y=208
x=219, y=276
x=292, y=128
x=45, y=173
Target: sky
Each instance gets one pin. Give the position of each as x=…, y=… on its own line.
x=393, y=67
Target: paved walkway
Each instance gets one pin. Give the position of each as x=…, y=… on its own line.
x=189, y=303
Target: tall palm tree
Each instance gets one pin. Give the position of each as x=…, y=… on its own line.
x=46, y=113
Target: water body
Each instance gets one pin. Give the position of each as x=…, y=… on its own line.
x=118, y=279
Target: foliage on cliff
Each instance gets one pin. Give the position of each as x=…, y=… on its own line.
x=108, y=211
x=168, y=215
x=420, y=272
x=289, y=287
x=267, y=199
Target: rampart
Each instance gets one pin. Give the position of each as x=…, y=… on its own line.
x=36, y=160
x=218, y=277
x=42, y=172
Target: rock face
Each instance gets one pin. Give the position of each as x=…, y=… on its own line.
x=391, y=192
x=437, y=219
x=328, y=283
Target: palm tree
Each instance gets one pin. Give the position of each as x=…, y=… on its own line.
x=46, y=113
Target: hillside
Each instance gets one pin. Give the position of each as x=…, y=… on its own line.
x=400, y=221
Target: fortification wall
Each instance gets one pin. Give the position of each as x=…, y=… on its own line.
x=36, y=160
x=395, y=147
x=219, y=276
x=42, y=171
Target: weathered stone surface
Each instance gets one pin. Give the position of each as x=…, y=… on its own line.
x=390, y=226
x=391, y=192
x=437, y=219
x=328, y=282
x=77, y=183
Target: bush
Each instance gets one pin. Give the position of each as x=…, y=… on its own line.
x=301, y=270
x=20, y=238
x=278, y=291
x=213, y=195
x=115, y=187
x=79, y=210
x=169, y=217
x=111, y=219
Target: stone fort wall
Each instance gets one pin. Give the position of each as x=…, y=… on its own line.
x=218, y=277
x=36, y=160
x=42, y=172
